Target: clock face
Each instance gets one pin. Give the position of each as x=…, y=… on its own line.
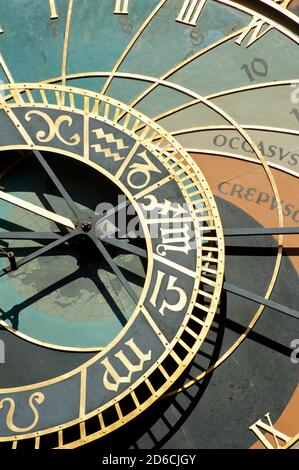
x=149, y=223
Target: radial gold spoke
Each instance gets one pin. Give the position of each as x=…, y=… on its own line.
x=58, y=184
x=130, y=46
x=37, y=210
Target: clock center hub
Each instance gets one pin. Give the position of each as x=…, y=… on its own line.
x=78, y=302
x=86, y=226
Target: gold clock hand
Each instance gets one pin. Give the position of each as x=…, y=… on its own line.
x=37, y=210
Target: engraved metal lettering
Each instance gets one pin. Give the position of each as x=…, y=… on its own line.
x=112, y=379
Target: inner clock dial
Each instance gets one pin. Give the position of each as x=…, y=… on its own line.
x=69, y=297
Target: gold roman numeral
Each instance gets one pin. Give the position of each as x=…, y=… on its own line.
x=121, y=7
x=258, y=27
x=255, y=26
x=277, y=435
x=190, y=11
x=53, y=10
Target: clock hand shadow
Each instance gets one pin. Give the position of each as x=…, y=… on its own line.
x=92, y=272
x=135, y=278
x=172, y=411
x=93, y=275
x=47, y=205
x=13, y=314
x=12, y=226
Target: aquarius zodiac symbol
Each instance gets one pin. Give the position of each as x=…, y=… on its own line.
x=110, y=139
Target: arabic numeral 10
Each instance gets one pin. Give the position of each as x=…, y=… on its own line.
x=258, y=68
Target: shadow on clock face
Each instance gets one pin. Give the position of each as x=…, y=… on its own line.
x=218, y=411
x=68, y=297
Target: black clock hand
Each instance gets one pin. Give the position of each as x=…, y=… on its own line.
x=115, y=269
x=93, y=275
x=125, y=246
x=111, y=240
x=40, y=252
x=229, y=287
x=113, y=211
x=29, y=235
x=19, y=129
x=260, y=300
x=58, y=184
x=242, y=232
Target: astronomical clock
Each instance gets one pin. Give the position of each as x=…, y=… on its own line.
x=149, y=224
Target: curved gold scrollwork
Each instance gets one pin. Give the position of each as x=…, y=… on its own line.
x=54, y=128
x=37, y=397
